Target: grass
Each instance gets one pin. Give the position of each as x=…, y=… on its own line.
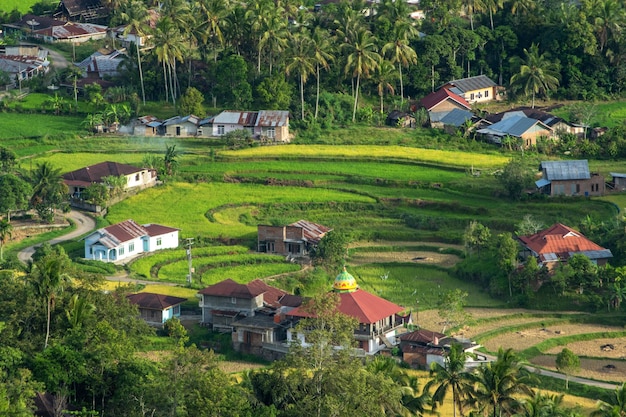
x=184, y=205
x=372, y=152
x=608, y=114
x=22, y=5
x=16, y=125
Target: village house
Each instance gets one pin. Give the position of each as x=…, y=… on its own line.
x=146, y=126
x=446, y=108
x=516, y=125
x=127, y=240
x=136, y=178
x=569, y=178
x=397, y=118
x=80, y=10
x=422, y=347
x=619, y=181
x=71, y=32
x=558, y=243
x=102, y=63
x=272, y=125
x=556, y=124
x=477, y=89
x=294, y=240
x=180, y=126
x=156, y=309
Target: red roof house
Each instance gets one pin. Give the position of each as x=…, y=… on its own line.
x=558, y=243
x=156, y=308
x=444, y=100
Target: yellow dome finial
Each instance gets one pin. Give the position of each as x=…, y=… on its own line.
x=345, y=282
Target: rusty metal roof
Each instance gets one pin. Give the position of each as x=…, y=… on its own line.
x=242, y=118
x=312, y=232
x=272, y=118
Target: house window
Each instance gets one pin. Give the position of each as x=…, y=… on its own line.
x=176, y=310
x=137, y=177
x=91, y=251
x=120, y=251
x=220, y=129
x=158, y=241
x=486, y=93
x=131, y=247
x=472, y=96
x=271, y=132
x=233, y=300
x=271, y=247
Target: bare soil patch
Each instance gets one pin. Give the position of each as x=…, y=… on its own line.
x=369, y=243
x=600, y=369
x=524, y=339
x=422, y=257
x=600, y=348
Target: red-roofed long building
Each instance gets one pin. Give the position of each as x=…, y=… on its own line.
x=558, y=243
x=127, y=240
x=380, y=322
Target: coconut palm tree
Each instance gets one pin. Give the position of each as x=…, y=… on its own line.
x=73, y=73
x=136, y=18
x=537, y=74
x=212, y=14
x=5, y=235
x=257, y=14
x=451, y=376
x=274, y=37
x=49, y=277
x=498, y=383
x=300, y=60
x=49, y=190
x=323, y=50
x=615, y=408
x=169, y=43
x=362, y=59
x=399, y=51
x=170, y=159
x=609, y=17
x=493, y=6
x=384, y=78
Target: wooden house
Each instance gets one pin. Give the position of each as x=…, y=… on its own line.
x=296, y=239
x=80, y=10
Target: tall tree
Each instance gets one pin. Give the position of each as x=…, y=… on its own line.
x=169, y=43
x=135, y=15
x=384, y=78
x=451, y=377
x=399, y=49
x=49, y=190
x=49, y=276
x=170, y=159
x=323, y=49
x=362, y=59
x=536, y=73
x=15, y=194
x=300, y=60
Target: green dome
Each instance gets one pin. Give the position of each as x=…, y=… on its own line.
x=345, y=282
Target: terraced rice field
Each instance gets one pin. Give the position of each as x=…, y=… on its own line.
x=527, y=338
x=600, y=369
x=614, y=348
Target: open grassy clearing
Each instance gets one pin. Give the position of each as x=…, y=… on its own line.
x=184, y=205
x=22, y=5
x=15, y=125
x=373, y=152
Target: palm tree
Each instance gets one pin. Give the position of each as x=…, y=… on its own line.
x=274, y=37
x=615, y=408
x=5, y=235
x=212, y=14
x=541, y=405
x=362, y=59
x=609, y=20
x=73, y=73
x=498, y=383
x=170, y=160
x=49, y=277
x=493, y=6
x=78, y=311
x=257, y=14
x=322, y=48
x=400, y=51
x=49, y=190
x=168, y=43
x=452, y=376
x=384, y=78
x=136, y=17
x=522, y=6
x=537, y=75
x=300, y=56
x=472, y=6
x=56, y=103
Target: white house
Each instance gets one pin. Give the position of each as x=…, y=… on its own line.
x=128, y=239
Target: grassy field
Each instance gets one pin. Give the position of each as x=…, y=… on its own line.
x=16, y=126
x=22, y=5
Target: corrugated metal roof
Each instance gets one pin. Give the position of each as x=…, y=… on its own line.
x=472, y=83
x=272, y=118
x=512, y=126
x=565, y=170
x=243, y=118
x=313, y=232
x=617, y=175
x=542, y=183
x=456, y=117
x=594, y=254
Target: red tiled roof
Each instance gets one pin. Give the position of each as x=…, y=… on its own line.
x=434, y=98
x=367, y=308
x=154, y=301
x=559, y=239
x=230, y=288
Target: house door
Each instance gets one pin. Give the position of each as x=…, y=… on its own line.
x=177, y=130
x=146, y=245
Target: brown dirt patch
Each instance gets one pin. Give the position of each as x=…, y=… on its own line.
x=429, y=258
x=594, y=348
x=526, y=338
x=600, y=369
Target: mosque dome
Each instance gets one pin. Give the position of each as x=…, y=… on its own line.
x=345, y=282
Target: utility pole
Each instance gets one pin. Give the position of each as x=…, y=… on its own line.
x=188, y=243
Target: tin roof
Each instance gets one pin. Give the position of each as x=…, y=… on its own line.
x=515, y=125
x=242, y=118
x=565, y=170
x=312, y=232
x=72, y=30
x=230, y=288
x=547, y=118
x=617, y=175
x=456, y=117
x=472, y=83
x=272, y=118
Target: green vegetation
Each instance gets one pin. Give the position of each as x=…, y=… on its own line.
x=22, y=5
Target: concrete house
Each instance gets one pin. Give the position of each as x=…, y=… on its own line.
x=556, y=124
x=156, y=309
x=270, y=125
x=127, y=240
x=444, y=107
x=136, y=178
x=569, y=178
x=180, y=126
x=619, y=181
x=516, y=125
x=422, y=347
x=296, y=239
x=147, y=126
x=476, y=89
x=558, y=243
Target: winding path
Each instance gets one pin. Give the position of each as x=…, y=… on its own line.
x=84, y=224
